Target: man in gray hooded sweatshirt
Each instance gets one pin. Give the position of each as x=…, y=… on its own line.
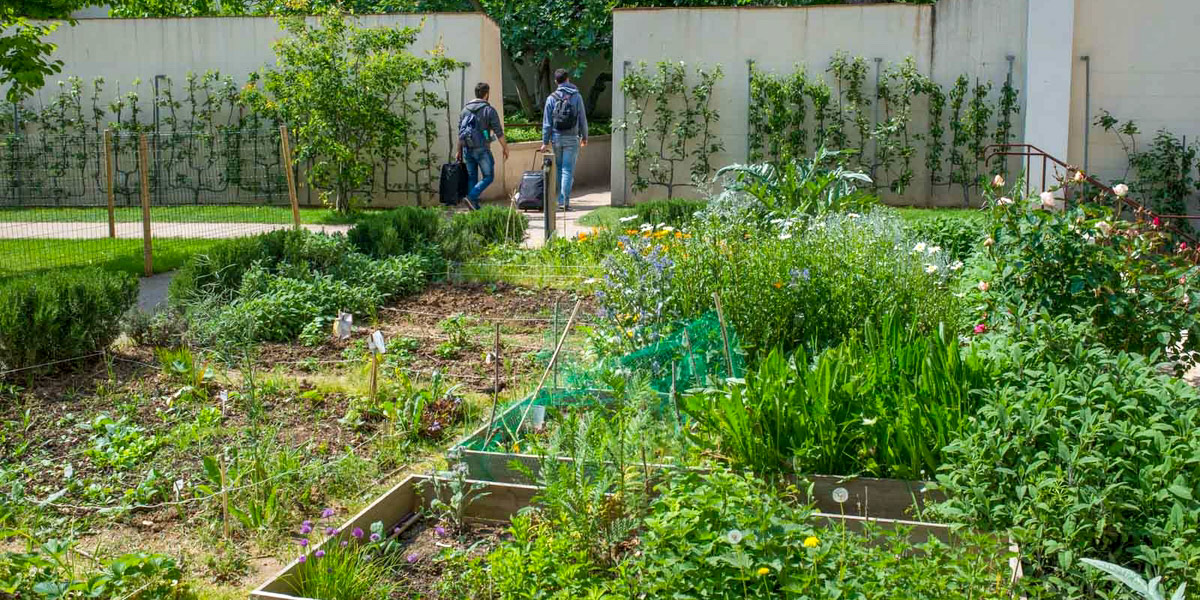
x=564, y=125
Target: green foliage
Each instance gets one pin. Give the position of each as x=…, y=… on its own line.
x=1166, y=172
x=337, y=86
x=1148, y=590
x=47, y=571
x=726, y=535
x=676, y=212
x=1118, y=275
x=670, y=124
x=1079, y=451
x=826, y=276
x=881, y=406
x=61, y=315
x=958, y=236
x=358, y=567
x=280, y=285
x=470, y=233
x=792, y=112
x=816, y=186
x=119, y=444
x=402, y=230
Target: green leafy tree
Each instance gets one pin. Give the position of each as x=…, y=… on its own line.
x=336, y=86
x=24, y=56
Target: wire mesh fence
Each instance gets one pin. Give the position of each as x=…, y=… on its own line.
x=120, y=196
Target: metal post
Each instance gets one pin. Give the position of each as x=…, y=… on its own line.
x=1087, y=106
x=157, y=160
x=878, y=75
x=550, y=202
x=108, y=178
x=749, y=106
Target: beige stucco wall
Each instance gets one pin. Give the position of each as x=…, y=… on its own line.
x=954, y=37
x=1145, y=66
x=122, y=50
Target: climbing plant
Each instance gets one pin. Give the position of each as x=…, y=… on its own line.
x=1165, y=172
x=669, y=123
x=878, y=126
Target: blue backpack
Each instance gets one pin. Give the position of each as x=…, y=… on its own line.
x=470, y=127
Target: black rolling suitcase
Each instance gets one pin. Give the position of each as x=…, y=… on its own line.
x=452, y=187
x=531, y=193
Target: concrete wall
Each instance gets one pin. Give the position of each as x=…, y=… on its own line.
x=122, y=50
x=1145, y=66
x=954, y=37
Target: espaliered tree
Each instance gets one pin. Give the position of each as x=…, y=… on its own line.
x=336, y=86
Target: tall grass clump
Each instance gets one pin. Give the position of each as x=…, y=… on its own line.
x=881, y=404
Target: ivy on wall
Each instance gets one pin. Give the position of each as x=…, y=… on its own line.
x=669, y=126
x=878, y=126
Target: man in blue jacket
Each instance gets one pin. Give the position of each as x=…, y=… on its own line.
x=564, y=125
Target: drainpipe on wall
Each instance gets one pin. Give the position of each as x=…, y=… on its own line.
x=624, y=139
x=749, y=105
x=1087, y=107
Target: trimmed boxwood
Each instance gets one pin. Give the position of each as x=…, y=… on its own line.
x=61, y=315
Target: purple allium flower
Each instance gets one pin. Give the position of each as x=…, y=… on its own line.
x=440, y=531
x=358, y=532
x=330, y=531
x=344, y=543
x=305, y=529
x=412, y=558
x=307, y=524
x=328, y=512
x=374, y=537
x=303, y=558
x=319, y=553
x=303, y=542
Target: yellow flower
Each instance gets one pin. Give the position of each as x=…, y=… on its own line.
x=763, y=571
x=517, y=448
x=811, y=542
x=678, y=235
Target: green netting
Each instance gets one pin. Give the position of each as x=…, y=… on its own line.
x=690, y=357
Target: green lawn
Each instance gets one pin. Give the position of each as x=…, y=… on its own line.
x=18, y=257
x=609, y=216
x=606, y=216
x=178, y=214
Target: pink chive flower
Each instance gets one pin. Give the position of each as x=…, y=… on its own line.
x=412, y=558
x=345, y=543
x=305, y=529
x=358, y=532
x=303, y=558
x=374, y=537
x=439, y=531
x=328, y=512
x=980, y=328
x=319, y=553
x=303, y=542
x=330, y=531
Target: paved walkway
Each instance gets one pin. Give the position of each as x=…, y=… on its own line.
x=84, y=231
x=566, y=223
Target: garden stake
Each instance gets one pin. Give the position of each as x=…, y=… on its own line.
x=144, y=170
x=108, y=171
x=553, y=359
x=495, y=386
x=687, y=348
x=224, y=499
x=724, y=334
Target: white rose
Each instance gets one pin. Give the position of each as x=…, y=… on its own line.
x=998, y=181
x=1004, y=201
x=1120, y=190
x=1047, y=199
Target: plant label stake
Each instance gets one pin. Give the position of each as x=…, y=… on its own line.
x=343, y=326
x=495, y=385
x=377, y=347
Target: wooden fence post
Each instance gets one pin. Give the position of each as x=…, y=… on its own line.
x=144, y=170
x=285, y=146
x=108, y=172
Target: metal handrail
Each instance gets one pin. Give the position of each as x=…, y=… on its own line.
x=1029, y=151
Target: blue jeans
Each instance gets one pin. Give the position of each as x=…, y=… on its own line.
x=566, y=152
x=481, y=170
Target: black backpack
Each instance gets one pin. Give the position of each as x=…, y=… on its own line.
x=469, y=130
x=563, y=116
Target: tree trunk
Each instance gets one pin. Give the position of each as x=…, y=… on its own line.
x=597, y=89
x=524, y=96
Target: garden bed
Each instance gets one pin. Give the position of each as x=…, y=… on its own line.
x=401, y=509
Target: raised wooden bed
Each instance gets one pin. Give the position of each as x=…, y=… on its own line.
x=400, y=506
x=864, y=496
